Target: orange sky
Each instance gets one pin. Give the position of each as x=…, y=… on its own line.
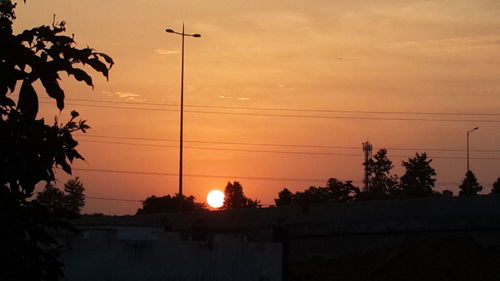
x=422, y=56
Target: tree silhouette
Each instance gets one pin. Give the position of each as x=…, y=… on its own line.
x=447, y=193
x=234, y=197
x=469, y=185
x=75, y=198
x=70, y=202
x=52, y=198
x=341, y=191
x=285, y=197
x=381, y=184
x=418, y=179
x=169, y=204
x=30, y=149
x=334, y=191
x=496, y=187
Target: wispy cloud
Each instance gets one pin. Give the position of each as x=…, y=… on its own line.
x=130, y=96
x=233, y=98
x=166, y=52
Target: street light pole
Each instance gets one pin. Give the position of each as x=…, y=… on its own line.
x=468, y=132
x=181, y=139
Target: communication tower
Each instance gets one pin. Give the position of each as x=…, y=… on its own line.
x=367, y=149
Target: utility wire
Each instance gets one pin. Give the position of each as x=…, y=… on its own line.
x=112, y=171
x=291, y=109
x=112, y=199
x=196, y=175
x=281, y=152
x=292, y=115
x=281, y=145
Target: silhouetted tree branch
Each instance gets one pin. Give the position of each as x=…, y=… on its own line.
x=30, y=149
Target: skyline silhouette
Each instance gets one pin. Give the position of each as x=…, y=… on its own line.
x=270, y=74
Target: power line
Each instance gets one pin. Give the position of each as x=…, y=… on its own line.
x=282, y=145
x=112, y=171
x=112, y=199
x=293, y=109
x=282, y=152
x=292, y=115
x=196, y=175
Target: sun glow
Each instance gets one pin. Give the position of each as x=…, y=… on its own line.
x=215, y=198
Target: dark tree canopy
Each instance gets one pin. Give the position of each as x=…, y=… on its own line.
x=71, y=201
x=285, y=197
x=30, y=148
x=52, y=198
x=75, y=197
x=447, y=193
x=469, y=185
x=41, y=54
x=168, y=204
x=496, y=187
x=341, y=191
x=418, y=179
x=381, y=184
x=334, y=191
x=234, y=197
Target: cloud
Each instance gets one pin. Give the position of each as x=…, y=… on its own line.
x=130, y=96
x=234, y=98
x=166, y=52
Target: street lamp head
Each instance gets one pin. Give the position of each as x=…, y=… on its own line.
x=169, y=30
x=476, y=128
x=197, y=35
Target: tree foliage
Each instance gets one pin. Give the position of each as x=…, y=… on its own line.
x=70, y=202
x=469, y=185
x=447, y=193
x=41, y=54
x=30, y=148
x=234, y=197
x=285, y=197
x=381, y=184
x=334, y=191
x=168, y=204
x=418, y=179
x=496, y=187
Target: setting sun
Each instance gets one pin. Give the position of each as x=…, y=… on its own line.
x=215, y=198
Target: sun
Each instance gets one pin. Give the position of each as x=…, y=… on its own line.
x=215, y=198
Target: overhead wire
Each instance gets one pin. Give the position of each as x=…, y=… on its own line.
x=114, y=171
x=280, y=152
x=291, y=109
x=289, y=115
x=282, y=145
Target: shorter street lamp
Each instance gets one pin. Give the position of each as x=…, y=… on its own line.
x=468, y=169
x=468, y=132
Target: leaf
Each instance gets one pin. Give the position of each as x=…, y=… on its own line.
x=68, y=139
x=81, y=75
x=5, y=101
x=53, y=89
x=61, y=161
x=64, y=40
x=99, y=66
x=28, y=101
x=107, y=58
x=73, y=154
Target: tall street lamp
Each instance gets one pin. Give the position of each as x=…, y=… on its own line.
x=468, y=132
x=181, y=143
